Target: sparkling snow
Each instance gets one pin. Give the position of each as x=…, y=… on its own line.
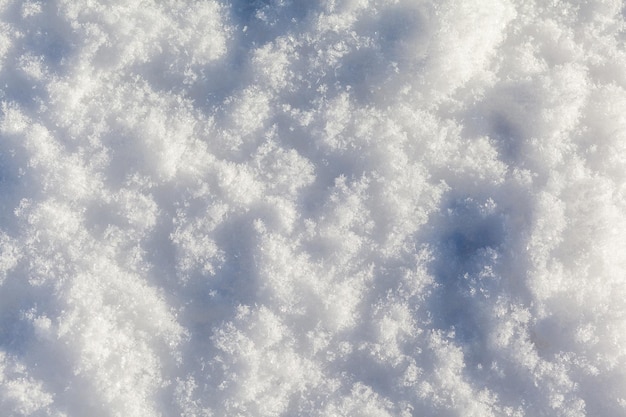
x=313, y=208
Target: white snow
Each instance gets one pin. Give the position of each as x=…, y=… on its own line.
x=313, y=208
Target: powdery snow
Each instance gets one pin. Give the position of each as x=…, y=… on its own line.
x=313, y=208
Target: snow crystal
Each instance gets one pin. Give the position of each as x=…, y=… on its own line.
x=317, y=208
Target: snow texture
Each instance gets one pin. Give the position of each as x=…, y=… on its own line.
x=313, y=208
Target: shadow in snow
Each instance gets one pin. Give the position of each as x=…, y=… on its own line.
x=467, y=239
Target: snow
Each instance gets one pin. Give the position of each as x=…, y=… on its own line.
x=312, y=208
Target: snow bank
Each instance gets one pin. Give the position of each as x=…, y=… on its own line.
x=329, y=208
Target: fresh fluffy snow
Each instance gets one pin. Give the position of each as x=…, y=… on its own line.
x=313, y=208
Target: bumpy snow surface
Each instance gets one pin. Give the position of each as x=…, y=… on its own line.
x=325, y=208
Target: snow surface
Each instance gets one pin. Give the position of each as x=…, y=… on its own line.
x=313, y=208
